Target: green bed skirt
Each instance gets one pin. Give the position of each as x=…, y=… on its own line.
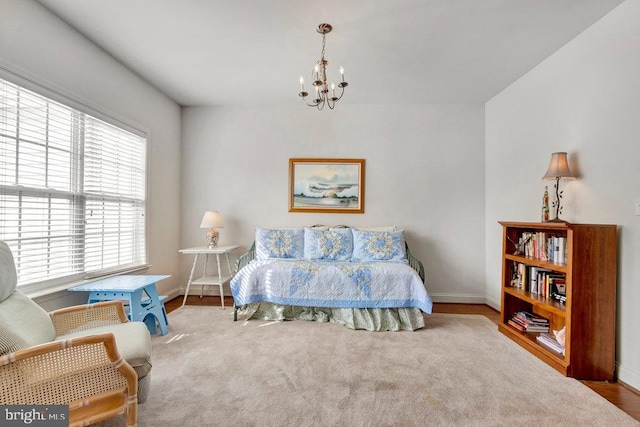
x=371, y=319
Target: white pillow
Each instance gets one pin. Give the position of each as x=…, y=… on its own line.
x=379, y=246
x=328, y=245
x=279, y=243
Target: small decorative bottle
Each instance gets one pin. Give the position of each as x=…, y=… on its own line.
x=545, y=205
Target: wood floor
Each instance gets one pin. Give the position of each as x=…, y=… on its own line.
x=618, y=393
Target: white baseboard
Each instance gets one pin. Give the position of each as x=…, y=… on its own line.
x=492, y=303
x=208, y=290
x=458, y=298
x=174, y=293
x=628, y=377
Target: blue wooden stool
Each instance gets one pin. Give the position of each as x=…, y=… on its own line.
x=138, y=292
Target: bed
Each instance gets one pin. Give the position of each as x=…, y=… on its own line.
x=359, y=278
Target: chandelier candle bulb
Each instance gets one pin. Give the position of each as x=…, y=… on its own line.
x=342, y=73
x=301, y=84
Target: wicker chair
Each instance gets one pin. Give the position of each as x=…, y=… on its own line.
x=28, y=332
x=86, y=373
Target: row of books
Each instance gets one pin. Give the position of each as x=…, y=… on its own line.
x=525, y=321
x=539, y=281
x=549, y=340
x=544, y=247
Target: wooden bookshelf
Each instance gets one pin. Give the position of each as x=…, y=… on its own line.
x=589, y=313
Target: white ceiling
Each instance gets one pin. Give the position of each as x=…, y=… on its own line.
x=252, y=52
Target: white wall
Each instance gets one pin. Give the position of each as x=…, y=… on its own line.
x=424, y=173
x=584, y=99
x=38, y=45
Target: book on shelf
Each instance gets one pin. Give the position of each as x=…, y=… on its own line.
x=562, y=299
x=551, y=281
x=557, y=284
x=526, y=328
x=531, y=318
x=540, y=281
x=517, y=325
x=557, y=252
x=533, y=280
x=537, y=280
x=528, y=322
x=549, y=340
x=544, y=247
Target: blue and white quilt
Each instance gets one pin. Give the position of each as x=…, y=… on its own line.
x=330, y=284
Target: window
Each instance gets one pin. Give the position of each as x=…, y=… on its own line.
x=72, y=191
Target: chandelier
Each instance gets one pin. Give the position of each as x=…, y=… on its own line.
x=319, y=75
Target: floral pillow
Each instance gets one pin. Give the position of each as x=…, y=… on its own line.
x=328, y=245
x=277, y=243
x=379, y=245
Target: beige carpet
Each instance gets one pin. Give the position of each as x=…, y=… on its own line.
x=459, y=370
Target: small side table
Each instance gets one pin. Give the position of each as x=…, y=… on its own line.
x=205, y=280
x=138, y=291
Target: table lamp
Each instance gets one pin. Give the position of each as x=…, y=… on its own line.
x=212, y=220
x=558, y=169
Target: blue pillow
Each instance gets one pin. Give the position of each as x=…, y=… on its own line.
x=276, y=243
x=379, y=245
x=328, y=245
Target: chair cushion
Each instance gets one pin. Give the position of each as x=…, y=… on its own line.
x=132, y=339
x=10, y=342
x=23, y=323
x=8, y=275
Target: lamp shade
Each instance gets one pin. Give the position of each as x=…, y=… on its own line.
x=211, y=219
x=558, y=168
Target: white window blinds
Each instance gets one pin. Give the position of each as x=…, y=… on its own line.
x=72, y=191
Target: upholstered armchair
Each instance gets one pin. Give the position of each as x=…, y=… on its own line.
x=29, y=336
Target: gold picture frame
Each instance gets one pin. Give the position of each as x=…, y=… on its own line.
x=326, y=185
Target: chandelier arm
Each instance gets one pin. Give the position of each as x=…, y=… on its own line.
x=304, y=95
x=341, y=93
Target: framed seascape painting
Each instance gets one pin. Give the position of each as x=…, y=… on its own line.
x=326, y=185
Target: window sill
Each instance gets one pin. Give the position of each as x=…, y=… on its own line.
x=54, y=292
